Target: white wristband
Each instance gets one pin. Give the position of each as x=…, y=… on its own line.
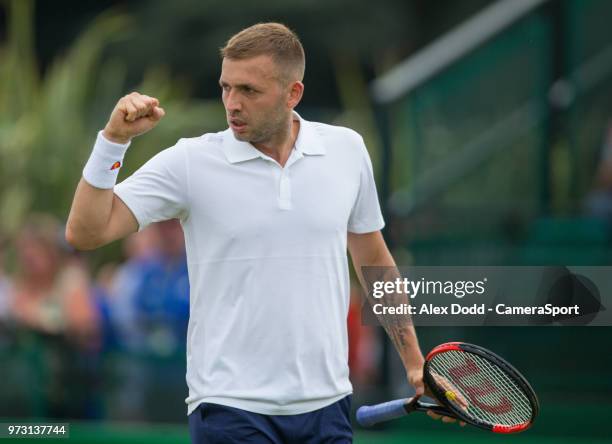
x=103, y=166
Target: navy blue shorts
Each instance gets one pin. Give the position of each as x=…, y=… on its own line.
x=218, y=424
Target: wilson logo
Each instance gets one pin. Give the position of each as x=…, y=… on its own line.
x=481, y=391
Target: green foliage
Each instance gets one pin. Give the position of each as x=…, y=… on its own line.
x=48, y=121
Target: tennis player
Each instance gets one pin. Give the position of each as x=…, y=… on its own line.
x=268, y=208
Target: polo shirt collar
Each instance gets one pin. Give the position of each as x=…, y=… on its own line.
x=308, y=142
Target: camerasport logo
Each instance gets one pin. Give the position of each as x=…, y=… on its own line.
x=115, y=165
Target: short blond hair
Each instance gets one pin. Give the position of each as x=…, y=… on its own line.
x=273, y=39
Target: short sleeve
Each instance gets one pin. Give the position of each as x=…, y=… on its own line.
x=158, y=190
x=366, y=215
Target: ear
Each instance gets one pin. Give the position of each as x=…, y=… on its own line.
x=296, y=91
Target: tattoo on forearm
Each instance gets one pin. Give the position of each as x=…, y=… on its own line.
x=399, y=327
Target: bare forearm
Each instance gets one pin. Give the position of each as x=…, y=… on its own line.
x=399, y=327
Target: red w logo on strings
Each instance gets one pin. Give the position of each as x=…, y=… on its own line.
x=477, y=393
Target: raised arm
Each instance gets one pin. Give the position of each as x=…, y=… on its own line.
x=97, y=216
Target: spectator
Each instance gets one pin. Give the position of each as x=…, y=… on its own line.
x=52, y=304
x=149, y=305
x=102, y=294
x=142, y=251
x=51, y=293
x=162, y=298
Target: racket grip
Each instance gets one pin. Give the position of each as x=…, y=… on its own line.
x=368, y=415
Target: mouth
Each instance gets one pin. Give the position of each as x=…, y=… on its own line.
x=237, y=125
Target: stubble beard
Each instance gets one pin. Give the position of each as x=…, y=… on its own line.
x=267, y=131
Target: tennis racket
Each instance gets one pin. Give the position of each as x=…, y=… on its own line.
x=473, y=385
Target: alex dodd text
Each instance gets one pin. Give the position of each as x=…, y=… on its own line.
x=476, y=309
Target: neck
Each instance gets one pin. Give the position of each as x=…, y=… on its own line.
x=280, y=145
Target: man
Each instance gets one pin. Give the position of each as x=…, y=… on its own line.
x=268, y=208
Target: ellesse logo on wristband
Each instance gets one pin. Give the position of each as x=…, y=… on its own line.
x=115, y=165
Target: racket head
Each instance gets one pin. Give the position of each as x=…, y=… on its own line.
x=480, y=388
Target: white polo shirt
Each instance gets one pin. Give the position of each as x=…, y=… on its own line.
x=266, y=250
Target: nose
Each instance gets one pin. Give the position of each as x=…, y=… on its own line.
x=232, y=101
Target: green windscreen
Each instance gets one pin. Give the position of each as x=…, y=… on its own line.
x=479, y=150
x=473, y=135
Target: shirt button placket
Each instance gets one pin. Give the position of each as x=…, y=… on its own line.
x=284, y=194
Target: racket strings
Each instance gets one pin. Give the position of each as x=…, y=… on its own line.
x=492, y=395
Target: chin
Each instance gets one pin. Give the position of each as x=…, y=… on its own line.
x=241, y=136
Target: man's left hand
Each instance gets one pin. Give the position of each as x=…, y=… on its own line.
x=415, y=378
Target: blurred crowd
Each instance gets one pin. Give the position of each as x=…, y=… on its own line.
x=141, y=305
x=138, y=308
x=54, y=307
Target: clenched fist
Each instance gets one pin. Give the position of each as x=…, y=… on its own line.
x=133, y=115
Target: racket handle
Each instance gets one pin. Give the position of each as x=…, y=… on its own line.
x=368, y=415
